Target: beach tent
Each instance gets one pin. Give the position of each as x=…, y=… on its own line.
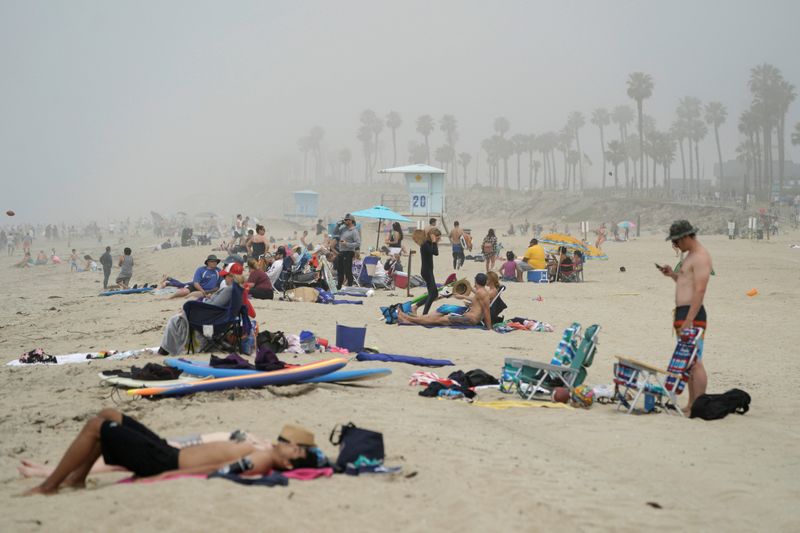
x=380, y=213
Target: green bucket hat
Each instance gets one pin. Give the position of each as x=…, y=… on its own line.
x=680, y=229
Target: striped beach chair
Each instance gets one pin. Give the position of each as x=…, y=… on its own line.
x=636, y=378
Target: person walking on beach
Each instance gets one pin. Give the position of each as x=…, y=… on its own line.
x=489, y=249
x=349, y=243
x=456, y=241
x=106, y=261
x=691, y=278
x=126, y=268
x=427, y=250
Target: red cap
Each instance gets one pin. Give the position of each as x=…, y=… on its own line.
x=236, y=268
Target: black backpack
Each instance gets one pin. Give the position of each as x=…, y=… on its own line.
x=716, y=406
x=275, y=341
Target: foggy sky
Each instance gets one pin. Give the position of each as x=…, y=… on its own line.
x=117, y=107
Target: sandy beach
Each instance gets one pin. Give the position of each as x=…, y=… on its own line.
x=464, y=467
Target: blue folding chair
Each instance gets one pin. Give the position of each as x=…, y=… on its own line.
x=368, y=265
x=223, y=321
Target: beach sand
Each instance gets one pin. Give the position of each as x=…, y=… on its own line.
x=465, y=468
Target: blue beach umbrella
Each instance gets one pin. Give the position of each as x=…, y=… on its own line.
x=380, y=213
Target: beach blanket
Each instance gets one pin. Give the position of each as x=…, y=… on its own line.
x=429, y=326
x=509, y=404
x=409, y=359
x=85, y=357
x=350, y=302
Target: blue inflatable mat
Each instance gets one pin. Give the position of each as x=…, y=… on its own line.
x=126, y=291
x=409, y=359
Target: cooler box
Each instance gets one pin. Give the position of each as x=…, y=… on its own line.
x=401, y=280
x=538, y=276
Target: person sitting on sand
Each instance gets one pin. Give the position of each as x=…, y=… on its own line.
x=123, y=441
x=54, y=258
x=259, y=283
x=509, y=268
x=176, y=332
x=206, y=280
x=477, y=310
x=41, y=258
x=25, y=262
x=90, y=265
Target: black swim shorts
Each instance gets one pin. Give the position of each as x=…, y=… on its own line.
x=136, y=448
x=681, y=312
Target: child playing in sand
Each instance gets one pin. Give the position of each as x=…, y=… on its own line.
x=508, y=270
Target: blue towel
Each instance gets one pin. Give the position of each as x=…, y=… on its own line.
x=410, y=359
x=351, y=302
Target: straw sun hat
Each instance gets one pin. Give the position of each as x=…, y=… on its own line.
x=418, y=236
x=296, y=435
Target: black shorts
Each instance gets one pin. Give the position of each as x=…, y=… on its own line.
x=700, y=321
x=136, y=448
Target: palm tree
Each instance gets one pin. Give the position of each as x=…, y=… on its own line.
x=371, y=125
x=425, y=127
x=345, y=156
x=417, y=152
x=505, y=149
x=785, y=97
x=649, y=126
x=304, y=144
x=520, y=145
x=490, y=147
x=536, y=166
x=769, y=90
x=698, y=131
x=449, y=126
x=622, y=116
x=748, y=126
x=601, y=118
x=640, y=87
x=501, y=126
x=530, y=147
x=689, y=111
x=745, y=153
x=796, y=134
x=365, y=136
x=635, y=154
x=445, y=155
x=678, y=132
x=315, y=140
x=616, y=154
x=575, y=121
x=715, y=115
x=393, y=122
x=564, y=140
x=464, y=158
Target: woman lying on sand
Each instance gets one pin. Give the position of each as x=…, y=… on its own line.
x=122, y=441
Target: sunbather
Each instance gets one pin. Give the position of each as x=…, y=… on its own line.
x=477, y=310
x=122, y=441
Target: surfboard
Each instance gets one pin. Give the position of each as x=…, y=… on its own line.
x=132, y=383
x=286, y=376
x=126, y=291
x=201, y=369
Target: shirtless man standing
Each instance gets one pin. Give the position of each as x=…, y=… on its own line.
x=691, y=281
x=478, y=310
x=456, y=241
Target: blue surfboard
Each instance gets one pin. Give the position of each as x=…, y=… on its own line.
x=126, y=291
x=198, y=368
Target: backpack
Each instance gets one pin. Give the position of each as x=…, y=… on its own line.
x=354, y=442
x=716, y=406
x=275, y=341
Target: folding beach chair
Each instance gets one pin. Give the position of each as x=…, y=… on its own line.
x=512, y=370
x=569, y=370
x=217, y=323
x=639, y=378
x=497, y=306
x=367, y=271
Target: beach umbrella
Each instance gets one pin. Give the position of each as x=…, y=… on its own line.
x=562, y=239
x=380, y=213
x=626, y=224
x=593, y=252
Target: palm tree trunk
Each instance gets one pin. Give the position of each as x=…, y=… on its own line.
x=654, y=173
x=427, y=151
x=691, y=165
x=683, y=162
x=394, y=146
x=530, y=169
x=719, y=157
x=603, y=151
x=519, y=179
x=616, y=177
x=641, y=143
x=535, y=178
x=781, y=156
x=580, y=156
x=623, y=134
x=697, y=164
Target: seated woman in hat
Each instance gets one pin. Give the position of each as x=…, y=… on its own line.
x=206, y=280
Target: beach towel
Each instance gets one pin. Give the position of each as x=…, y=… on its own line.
x=409, y=359
x=84, y=357
x=350, y=302
x=429, y=326
x=272, y=479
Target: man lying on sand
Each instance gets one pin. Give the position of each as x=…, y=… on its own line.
x=124, y=442
x=477, y=310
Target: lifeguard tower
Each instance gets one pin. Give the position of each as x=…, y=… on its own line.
x=306, y=204
x=425, y=191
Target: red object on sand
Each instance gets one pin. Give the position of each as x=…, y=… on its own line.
x=561, y=394
x=322, y=342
